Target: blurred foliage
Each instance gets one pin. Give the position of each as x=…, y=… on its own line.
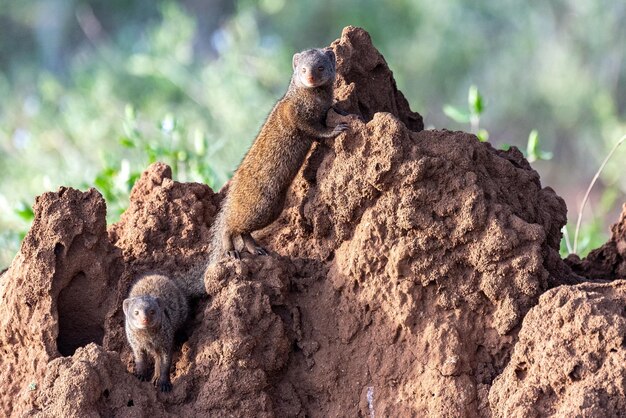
x=533, y=149
x=476, y=107
x=122, y=105
x=93, y=90
x=592, y=234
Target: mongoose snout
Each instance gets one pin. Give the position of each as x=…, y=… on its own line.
x=143, y=312
x=312, y=70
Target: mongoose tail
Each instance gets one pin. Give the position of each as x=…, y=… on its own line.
x=191, y=280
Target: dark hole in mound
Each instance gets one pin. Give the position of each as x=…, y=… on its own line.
x=58, y=249
x=397, y=334
x=130, y=403
x=80, y=317
x=284, y=314
x=520, y=371
x=576, y=373
x=105, y=393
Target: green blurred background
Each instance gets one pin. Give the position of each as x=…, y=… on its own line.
x=93, y=91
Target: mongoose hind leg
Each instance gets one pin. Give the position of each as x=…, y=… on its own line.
x=252, y=246
x=229, y=246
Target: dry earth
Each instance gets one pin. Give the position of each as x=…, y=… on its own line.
x=412, y=273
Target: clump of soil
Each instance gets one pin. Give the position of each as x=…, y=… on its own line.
x=400, y=272
x=607, y=262
x=570, y=357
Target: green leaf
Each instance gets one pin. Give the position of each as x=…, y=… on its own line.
x=132, y=179
x=199, y=142
x=505, y=147
x=456, y=114
x=533, y=148
x=483, y=135
x=24, y=211
x=182, y=155
x=545, y=155
x=475, y=100
x=127, y=142
x=533, y=142
x=103, y=183
x=130, y=113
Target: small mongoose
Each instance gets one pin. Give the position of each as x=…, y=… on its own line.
x=257, y=191
x=156, y=307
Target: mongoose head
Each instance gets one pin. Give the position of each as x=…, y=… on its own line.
x=143, y=312
x=314, y=67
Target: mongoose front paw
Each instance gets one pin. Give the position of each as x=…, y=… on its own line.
x=142, y=376
x=233, y=254
x=342, y=127
x=163, y=385
x=260, y=251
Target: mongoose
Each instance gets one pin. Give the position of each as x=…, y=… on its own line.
x=257, y=191
x=156, y=307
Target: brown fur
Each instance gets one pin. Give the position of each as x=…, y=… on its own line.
x=257, y=191
x=155, y=308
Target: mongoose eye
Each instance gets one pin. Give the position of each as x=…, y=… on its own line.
x=152, y=311
x=303, y=70
x=320, y=68
x=136, y=312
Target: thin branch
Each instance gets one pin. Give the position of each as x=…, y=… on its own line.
x=593, y=181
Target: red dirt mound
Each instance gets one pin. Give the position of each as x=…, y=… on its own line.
x=401, y=270
x=435, y=250
x=365, y=84
x=570, y=357
x=56, y=293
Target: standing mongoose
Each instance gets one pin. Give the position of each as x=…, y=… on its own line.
x=257, y=191
x=156, y=307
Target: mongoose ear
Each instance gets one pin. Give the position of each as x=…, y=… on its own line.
x=295, y=59
x=126, y=306
x=330, y=54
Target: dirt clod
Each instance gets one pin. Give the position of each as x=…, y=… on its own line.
x=609, y=261
x=570, y=357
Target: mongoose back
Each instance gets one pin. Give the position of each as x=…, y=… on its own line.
x=155, y=308
x=257, y=191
